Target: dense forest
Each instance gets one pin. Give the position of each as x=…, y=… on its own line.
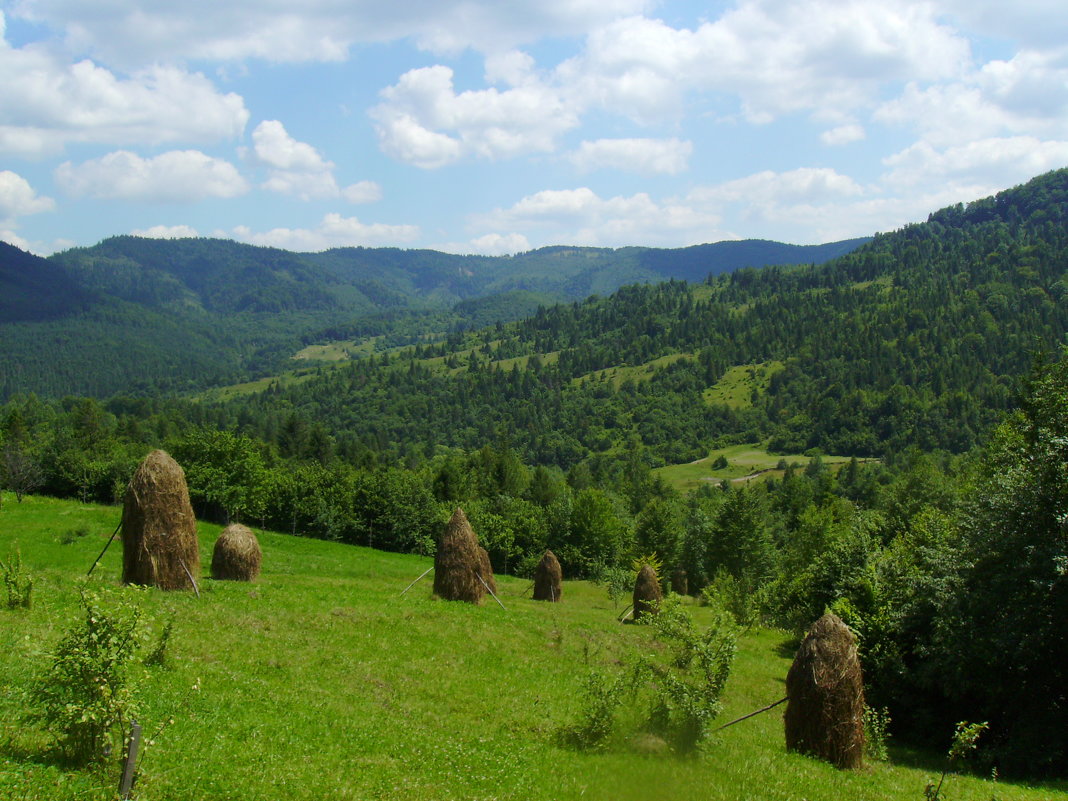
x=150, y=316
x=938, y=348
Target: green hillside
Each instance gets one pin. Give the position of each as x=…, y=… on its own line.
x=321, y=680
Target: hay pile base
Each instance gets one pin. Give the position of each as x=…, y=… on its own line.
x=680, y=583
x=486, y=569
x=237, y=555
x=647, y=594
x=458, y=562
x=159, y=531
x=825, y=688
x=548, y=578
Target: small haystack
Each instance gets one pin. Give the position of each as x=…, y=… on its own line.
x=237, y=555
x=824, y=713
x=486, y=569
x=647, y=594
x=680, y=582
x=458, y=562
x=159, y=531
x=548, y=578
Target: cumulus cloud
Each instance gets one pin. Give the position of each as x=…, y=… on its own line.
x=18, y=199
x=649, y=156
x=980, y=167
x=333, y=231
x=167, y=232
x=842, y=135
x=488, y=245
x=176, y=176
x=321, y=30
x=424, y=121
x=297, y=168
x=47, y=103
x=581, y=217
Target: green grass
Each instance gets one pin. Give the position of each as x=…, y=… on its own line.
x=736, y=387
x=339, y=350
x=744, y=463
x=636, y=373
x=320, y=681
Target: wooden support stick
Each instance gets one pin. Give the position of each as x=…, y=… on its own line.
x=113, y=534
x=192, y=580
x=417, y=580
x=750, y=715
x=495, y=598
x=625, y=613
x=129, y=768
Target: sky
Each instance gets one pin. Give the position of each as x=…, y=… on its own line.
x=481, y=126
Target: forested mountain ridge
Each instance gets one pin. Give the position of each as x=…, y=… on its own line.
x=146, y=315
x=915, y=339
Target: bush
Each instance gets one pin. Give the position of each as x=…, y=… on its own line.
x=19, y=583
x=87, y=695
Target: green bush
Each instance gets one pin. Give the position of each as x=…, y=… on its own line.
x=88, y=694
x=17, y=582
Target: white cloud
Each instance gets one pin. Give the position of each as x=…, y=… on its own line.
x=362, y=192
x=843, y=135
x=175, y=176
x=333, y=231
x=978, y=168
x=649, y=156
x=489, y=245
x=581, y=217
x=424, y=121
x=47, y=103
x=274, y=146
x=167, y=232
x=819, y=56
x=805, y=184
x=18, y=199
x=319, y=30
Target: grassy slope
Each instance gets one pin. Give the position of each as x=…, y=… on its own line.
x=319, y=681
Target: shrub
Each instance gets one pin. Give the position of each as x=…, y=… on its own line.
x=87, y=695
x=18, y=582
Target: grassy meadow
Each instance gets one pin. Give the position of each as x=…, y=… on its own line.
x=320, y=680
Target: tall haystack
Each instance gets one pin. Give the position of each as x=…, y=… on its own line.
x=457, y=562
x=647, y=594
x=825, y=688
x=159, y=531
x=680, y=583
x=548, y=578
x=486, y=569
x=237, y=555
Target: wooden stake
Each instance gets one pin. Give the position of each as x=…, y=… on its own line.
x=625, y=613
x=192, y=580
x=495, y=598
x=750, y=715
x=129, y=768
x=417, y=580
x=113, y=534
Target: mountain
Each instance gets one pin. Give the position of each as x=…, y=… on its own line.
x=148, y=315
x=915, y=339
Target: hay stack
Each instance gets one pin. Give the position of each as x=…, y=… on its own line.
x=486, y=569
x=159, y=531
x=680, y=583
x=237, y=555
x=647, y=594
x=458, y=562
x=824, y=713
x=548, y=576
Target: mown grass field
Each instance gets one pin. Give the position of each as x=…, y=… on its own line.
x=744, y=463
x=321, y=681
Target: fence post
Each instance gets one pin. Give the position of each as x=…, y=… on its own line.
x=129, y=768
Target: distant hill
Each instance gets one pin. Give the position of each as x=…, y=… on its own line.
x=149, y=315
x=916, y=339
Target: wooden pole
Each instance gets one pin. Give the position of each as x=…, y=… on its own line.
x=129, y=768
x=750, y=715
x=192, y=580
x=495, y=598
x=417, y=580
x=113, y=535
x=625, y=613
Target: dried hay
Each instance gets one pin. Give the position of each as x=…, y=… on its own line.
x=548, y=578
x=458, y=562
x=680, y=583
x=486, y=569
x=825, y=688
x=159, y=531
x=237, y=555
x=647, y=594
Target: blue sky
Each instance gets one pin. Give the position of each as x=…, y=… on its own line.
x=477, y=126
